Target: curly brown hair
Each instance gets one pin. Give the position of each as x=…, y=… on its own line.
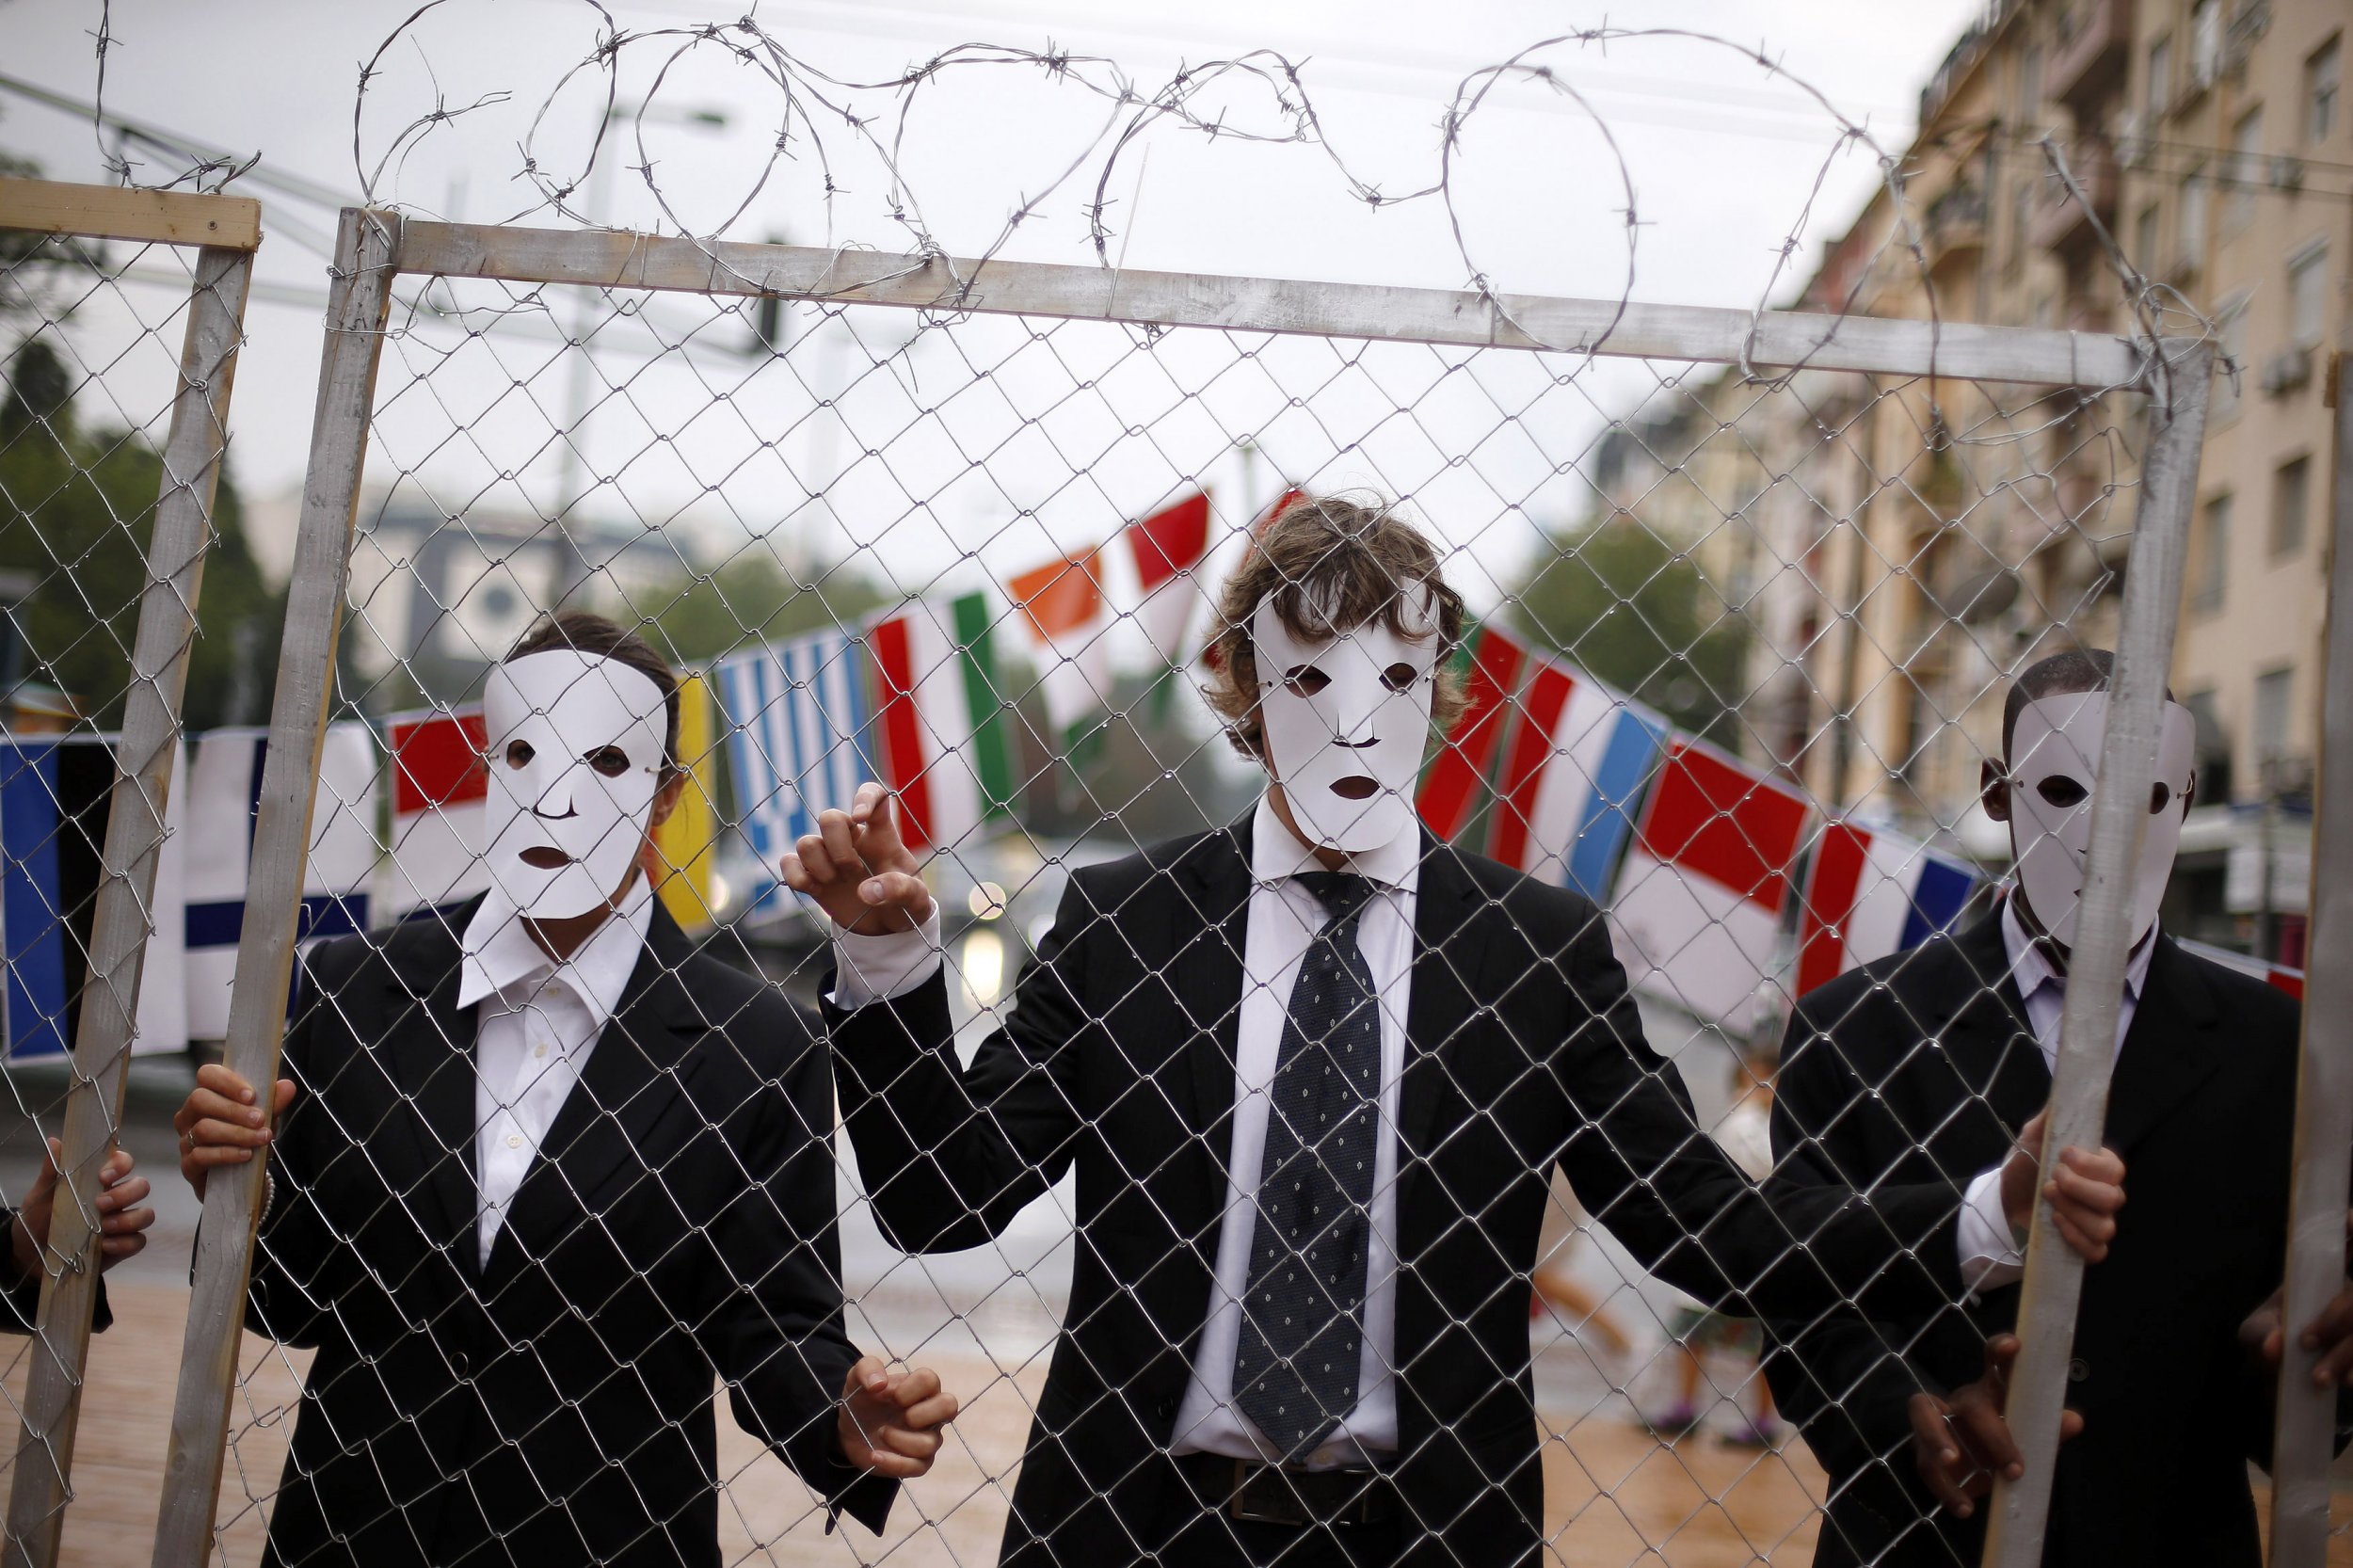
x=1330, y=564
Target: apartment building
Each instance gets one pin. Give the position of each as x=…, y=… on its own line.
x=1921, y=541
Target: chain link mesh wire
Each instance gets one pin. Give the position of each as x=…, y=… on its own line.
x=1739, y=646
x=93, y=340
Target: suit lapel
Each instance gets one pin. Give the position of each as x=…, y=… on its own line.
x=1448, y=957
x=1970, y=1005
x=634, y=1080
x=429, y=1055
x=1207, y=977
x=2167, y=1056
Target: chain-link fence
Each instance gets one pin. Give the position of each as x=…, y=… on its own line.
x=1740, y=652
x=121, y=316
x=1384, y=924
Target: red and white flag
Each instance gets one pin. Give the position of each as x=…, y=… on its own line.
x=439, y=789
x=938, y=717
x=1169, y=547
x=1457, y=776
x=1699, y=897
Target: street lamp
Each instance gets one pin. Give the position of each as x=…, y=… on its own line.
x=572, y=482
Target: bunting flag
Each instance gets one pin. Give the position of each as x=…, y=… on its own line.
x=939, y=719
x=1491, y=660
x=685, y=846
x=438, y=789
x=1579, y=762
x=1869, y=893
x=1061, y=616
x=1699, y=897
x=1276, y=508
x=55, y=793
x=2278, y=976
x=1168, y=547
x=797, y=716
x=224, y=795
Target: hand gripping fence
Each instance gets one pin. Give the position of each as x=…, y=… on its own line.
x=558, y=1261
x=70, y=302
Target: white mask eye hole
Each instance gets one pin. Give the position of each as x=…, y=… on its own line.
x=519, y=754
x=2062, y=792
x=2159, y=793
x=1304, y=680
x=612, y=761
x=1400, y=677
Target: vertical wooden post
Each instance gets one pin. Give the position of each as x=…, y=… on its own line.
x=2095, y=983
x=366, y=246
x=193, y=448
x=2303, y=1440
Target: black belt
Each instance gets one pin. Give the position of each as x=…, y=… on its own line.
x=1275, y=1495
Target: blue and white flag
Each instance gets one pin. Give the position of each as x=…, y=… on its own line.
x=224, y=795
x=55, y=793
x=797, y=715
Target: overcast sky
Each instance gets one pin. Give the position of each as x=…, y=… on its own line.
x=1732, y=179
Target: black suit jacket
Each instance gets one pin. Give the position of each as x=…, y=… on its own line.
x=1523, y=1048
x=678, y=1229
x=1925, y=1063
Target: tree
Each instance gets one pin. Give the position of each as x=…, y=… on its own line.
x=76, y=513
x=747, y=601
x=1635, y=613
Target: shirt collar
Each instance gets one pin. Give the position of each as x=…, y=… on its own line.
x=1277, y=854
x=2031, y=967
x=500, y=955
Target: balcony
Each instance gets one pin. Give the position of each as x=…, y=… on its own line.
x=2061, y=224
x=2096, y=46
x=1956, y=226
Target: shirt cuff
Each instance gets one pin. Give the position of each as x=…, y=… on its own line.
x=1989, y=1258
x=887, y=965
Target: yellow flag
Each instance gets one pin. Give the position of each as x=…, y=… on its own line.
x=685, y=842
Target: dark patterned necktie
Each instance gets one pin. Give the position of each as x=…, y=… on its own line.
x=1302, y=1316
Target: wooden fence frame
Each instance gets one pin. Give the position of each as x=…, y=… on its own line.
x=225, y=231
x=373, y=248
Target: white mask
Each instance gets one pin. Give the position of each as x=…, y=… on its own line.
x=2056, y=747
x=1346, y=720
x=547, y=715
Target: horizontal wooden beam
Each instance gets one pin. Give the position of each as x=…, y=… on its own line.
x=1776, y=339
x=123, y=213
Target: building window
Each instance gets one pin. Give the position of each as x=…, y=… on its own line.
x=2206, y=43
x=2160, y=81
x=2213, y=748
x=2273, y=690
x=2308, y=296
x=2030, y=86
x=2246, y=170
x=2214, y=557
x=2321, y=78
x=2021, y=219
x=2145, y=230
x=2291, y=498
x=2189, y=243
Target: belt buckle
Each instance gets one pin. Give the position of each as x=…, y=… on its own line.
x=1282, y=1508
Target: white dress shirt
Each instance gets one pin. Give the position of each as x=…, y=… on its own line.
x=1283, y=919
x=539, y=1020
x=1990, y=1257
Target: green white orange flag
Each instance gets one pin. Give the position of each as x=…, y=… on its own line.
x=1061, y=616
x=939, y=718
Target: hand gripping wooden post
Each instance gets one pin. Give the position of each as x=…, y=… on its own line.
x=365, y=244
x=2303, y=1440
x=2179, y=384
x=228, y=230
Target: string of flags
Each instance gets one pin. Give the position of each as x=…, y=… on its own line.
x=1725, y=888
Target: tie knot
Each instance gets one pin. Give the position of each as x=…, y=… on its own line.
x=1341, y=893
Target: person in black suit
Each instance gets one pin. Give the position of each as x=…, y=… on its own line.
x=1928, y=1063
x=545, y=1173
x=1313, y=1071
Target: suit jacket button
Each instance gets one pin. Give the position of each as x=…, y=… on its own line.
x=2078, y=1370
